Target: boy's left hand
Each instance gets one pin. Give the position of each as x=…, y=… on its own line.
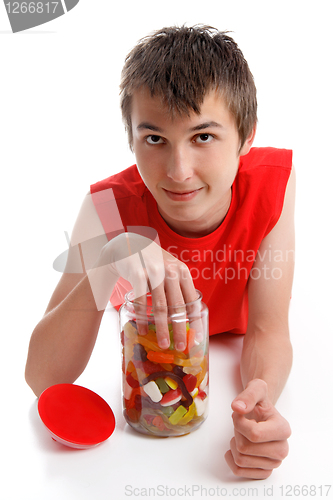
x=260, y=441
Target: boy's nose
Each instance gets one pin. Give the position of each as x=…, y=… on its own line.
x=179, y=166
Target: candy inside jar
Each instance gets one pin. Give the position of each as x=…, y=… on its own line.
x=165, y=391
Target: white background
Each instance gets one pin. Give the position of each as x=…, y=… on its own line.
x=61, y=130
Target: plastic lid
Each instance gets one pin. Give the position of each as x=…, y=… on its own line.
x=75, y=416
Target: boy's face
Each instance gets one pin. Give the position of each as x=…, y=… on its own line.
x=187, y=163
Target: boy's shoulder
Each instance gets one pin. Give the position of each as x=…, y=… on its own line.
x=266, y=157
x=125, y=183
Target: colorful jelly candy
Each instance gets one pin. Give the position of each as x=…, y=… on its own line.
x=150, y=367
x=162, y=385
x=158, y=422
x=152, y=390
x=177, y=415
x=139, y=353
x=148, y=343
x=190, y=340
x=200, y=406
x=177, y=370
x=187, y=396
x=171, y=383
x=171, y=397
x=131, y=381
x=165, y=390
x=168, y=410
x=130, y=331
x=188, y=415
x=203, y=384
x=190, y=381
x=148, y=418
x=133, y=414
x=160, y=357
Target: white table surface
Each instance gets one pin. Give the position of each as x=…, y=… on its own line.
x=129, y=464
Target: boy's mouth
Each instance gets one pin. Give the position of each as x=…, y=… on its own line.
x=181, y=195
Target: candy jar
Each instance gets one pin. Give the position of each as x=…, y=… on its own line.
x=165, y=391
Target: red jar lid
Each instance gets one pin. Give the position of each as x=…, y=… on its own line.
x=75, y=416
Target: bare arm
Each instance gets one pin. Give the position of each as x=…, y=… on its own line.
x=260, y=441
x=62, y=342
x=267, y=351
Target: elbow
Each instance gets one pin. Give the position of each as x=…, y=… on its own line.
x=33, y=381
x=37, y=369
x=35, y=376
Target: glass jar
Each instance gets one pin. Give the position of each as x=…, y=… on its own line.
x=165, y=391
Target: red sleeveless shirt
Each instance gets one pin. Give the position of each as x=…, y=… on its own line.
x=221, y=262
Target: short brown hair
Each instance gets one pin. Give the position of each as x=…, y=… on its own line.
x=181, y=64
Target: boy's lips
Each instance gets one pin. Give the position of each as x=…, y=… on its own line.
x=181, y=195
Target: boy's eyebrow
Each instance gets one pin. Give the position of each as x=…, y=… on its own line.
x=201, y=126
x=149, y=126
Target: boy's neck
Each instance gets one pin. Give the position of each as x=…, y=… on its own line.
x=200, y=228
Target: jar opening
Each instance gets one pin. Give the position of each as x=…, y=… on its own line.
x=130, y=299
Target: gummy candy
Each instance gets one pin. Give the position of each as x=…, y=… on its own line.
x=195, y=392
x=187, y=362
x=188, y=416
x=193, y=370
x=131, y=381
x=202, y=394
x=127, y=390
x=149, y=418
x=167, y=366
x=177, y=370
x=204, y=382
x=148, y=343
x=168, y=410
x=171, y=383
x=139, y=353
x=200, y=406
x=190, y=340
x=134, y=374
x=160, y=357
x=204, y=366
x=153, y=391
x=162, y=385
x=171, y=397
x=130, y=367
x=190, y=381
x=150, y=367
x=188, y=398
x=130, y=403
x=137, y=402
x=158, y=422
x=133, y=414
x=130, y=331
x=165, y=390
x=177, y=415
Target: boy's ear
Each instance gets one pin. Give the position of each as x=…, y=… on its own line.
x=249, y=141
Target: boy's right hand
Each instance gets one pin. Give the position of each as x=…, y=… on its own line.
x=149, y=268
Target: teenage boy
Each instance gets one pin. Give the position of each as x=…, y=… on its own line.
x=201, y=210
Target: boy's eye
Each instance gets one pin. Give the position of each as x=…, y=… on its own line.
x=204, y=138
x=154, y=139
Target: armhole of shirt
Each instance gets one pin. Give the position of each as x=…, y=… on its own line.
x=285, y=172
